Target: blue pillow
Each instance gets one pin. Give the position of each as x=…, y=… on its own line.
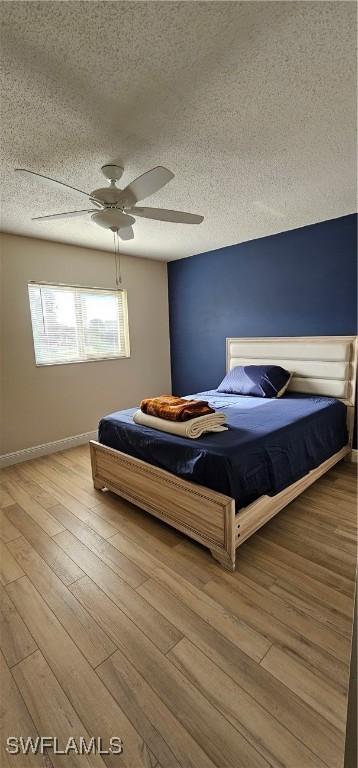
x=256, y=380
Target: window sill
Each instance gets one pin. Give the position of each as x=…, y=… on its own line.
x=79, y=362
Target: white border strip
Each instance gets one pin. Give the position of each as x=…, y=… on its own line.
x=7, y=459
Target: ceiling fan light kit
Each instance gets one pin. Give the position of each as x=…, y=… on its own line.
x=112, y=218
x=115, y=209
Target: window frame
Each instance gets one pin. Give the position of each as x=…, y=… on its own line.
x=100, y=289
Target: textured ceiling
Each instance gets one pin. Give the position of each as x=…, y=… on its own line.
x=250, y=104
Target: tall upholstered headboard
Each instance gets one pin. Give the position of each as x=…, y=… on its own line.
x=323, y=365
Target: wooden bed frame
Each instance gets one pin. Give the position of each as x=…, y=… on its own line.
x=325, y=365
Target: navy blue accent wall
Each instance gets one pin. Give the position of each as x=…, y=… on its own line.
x=296, y=283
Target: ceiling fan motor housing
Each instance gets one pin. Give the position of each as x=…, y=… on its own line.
x=107, y=195
x=114, y=196
x=112, y=219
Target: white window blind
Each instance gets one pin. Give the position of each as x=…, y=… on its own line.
x=72, y=324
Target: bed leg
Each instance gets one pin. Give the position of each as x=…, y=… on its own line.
x=224, y=558
x=98, y=485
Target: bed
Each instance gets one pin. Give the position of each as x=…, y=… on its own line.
x=221, y=488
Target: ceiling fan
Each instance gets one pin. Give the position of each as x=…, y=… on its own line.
x=116, y=208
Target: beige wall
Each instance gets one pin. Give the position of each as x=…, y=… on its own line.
x=42, y=404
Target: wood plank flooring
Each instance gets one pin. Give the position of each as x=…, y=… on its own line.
x=113, y=624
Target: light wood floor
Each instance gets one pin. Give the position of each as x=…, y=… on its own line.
x=113, y=624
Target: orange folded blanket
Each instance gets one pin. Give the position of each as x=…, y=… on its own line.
x=175, y=408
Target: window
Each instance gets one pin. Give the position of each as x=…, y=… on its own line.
x=73, y=325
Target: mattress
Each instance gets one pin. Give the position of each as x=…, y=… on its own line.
x=269, y=444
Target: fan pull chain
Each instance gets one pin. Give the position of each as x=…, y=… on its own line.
x=119, y=275
x=117, y=259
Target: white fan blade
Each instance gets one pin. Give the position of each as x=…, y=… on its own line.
x=68, y=215
x=163, y=214
x=146, y=185
x=126, y=233
x=55, y=181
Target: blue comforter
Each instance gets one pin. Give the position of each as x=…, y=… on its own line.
x=269, y=444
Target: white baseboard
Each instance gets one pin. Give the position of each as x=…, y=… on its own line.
x=354, y=455
x=42, y=450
